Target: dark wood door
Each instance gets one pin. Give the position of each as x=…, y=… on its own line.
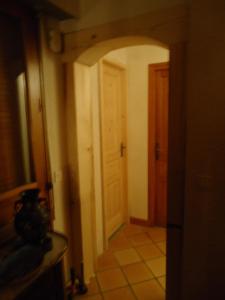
x=158, y=142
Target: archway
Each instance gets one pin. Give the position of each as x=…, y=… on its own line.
x=176, y=147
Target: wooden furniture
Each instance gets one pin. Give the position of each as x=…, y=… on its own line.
x=23, y=155
x=46, y=282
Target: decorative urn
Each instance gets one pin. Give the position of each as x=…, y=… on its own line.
x=31, y=219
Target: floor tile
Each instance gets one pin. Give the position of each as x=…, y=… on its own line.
x=149, y=251
x=162, y=247
x=128, y=256
x=111, y=279
x=140, y=239
x=131, y=229
x=157, y=234
x=106, y=261
x=119, y=243
x=157, y=266
x=93, y=287
x=119, y=294
x=137, y=272
x=162, y=281
x=148, y=290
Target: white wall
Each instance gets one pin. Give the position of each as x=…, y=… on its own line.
x=119, y=56
x=139, y=57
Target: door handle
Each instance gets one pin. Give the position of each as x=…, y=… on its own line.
x=122, y=148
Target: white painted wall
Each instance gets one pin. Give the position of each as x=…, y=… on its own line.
x=119, y=56
x=139, y=57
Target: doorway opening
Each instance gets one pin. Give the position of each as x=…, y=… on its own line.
x=133, y=115
x=132, y=112
x=120, y=104
x=87, y=93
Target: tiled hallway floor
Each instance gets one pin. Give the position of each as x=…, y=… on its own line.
x=134, y=266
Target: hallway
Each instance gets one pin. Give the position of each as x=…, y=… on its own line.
x=133, y=267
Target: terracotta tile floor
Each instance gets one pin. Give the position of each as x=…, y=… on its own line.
x=134, y=266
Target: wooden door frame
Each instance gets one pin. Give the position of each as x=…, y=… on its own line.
x=151, y=139
x=37, y=133
x=122, y=67
x=176, y=167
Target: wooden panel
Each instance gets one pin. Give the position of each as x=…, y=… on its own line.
x=177, y=133
x=176, y=166
x=158, y=143
x=174, y=263
x=112, y=121
x=162, y=83
x=35, y=104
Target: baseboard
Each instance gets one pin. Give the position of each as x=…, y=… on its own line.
x=138, y=221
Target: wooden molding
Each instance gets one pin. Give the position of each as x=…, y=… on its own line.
x=140, y=222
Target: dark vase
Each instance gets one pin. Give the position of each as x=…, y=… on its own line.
x=31, y=219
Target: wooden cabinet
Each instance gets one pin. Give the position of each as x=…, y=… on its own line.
x=47, y=282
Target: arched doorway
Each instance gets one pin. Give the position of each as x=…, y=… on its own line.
x=176, y=152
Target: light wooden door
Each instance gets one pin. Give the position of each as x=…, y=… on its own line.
x=158, y=142
x=113, y=107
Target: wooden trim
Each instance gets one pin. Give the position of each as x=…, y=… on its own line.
x=139, y=222
x=176, y=167
x=124, y=132
x=29, y=31
x=151, y=141
x=35, y=104
x=44, y=118
x=105, y=240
